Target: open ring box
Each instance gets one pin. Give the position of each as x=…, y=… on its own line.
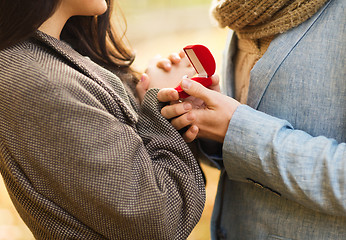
x=203, y=62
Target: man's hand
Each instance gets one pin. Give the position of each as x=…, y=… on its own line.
x=207, y=111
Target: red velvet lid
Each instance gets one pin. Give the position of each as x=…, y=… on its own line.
x=201, y=59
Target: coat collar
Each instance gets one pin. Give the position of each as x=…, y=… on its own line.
x=67, y=52
x=90, y=70
x=279, y=49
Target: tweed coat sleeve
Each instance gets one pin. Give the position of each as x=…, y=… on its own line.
x=78, y=165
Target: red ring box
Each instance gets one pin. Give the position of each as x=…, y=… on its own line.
x=203, y=62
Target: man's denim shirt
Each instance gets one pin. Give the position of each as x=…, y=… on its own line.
x=284, y=157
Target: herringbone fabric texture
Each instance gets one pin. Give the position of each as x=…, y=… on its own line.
x=78, y=157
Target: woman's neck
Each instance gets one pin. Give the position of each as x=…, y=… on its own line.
x=54, y=25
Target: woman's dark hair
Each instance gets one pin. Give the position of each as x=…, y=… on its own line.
x=20, y=18
x=93, y=36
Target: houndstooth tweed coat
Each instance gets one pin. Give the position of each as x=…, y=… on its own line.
x=80, y=160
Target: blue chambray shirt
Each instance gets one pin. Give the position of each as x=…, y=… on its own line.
x=284, y=155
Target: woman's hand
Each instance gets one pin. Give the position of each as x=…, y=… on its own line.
x=164, y=73
x=208, y=114
x=173, y=58
x=168, y=72
x=142, y=86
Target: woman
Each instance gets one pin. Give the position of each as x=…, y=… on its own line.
x=284, y=153
x=80, y=159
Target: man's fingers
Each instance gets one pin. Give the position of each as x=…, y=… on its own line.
x=167, y=95
x=215, y=85
x=191, y=134
x=183, y=121
x=175, y=110
x=197, y=90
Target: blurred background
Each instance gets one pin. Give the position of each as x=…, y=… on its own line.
x=154, y=27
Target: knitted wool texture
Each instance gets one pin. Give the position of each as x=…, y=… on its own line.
x=255, y=19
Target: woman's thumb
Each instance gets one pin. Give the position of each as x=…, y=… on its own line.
x=197, y=90
x=142, y=86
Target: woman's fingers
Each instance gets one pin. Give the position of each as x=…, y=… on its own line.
x=174, y=58
x=165, y=64
x=142, y=86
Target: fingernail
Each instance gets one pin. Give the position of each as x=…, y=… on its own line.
x=194, y=129
x=143, y=77
x=175, y=57
x=187, y=106
x=186, y=84
x=174, y=94
x=168, y=65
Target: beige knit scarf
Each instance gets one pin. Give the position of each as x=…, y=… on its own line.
x=256, y=19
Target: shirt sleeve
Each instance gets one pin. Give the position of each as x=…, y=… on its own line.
x=270, y=152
